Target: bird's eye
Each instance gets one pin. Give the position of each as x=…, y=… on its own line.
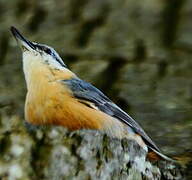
x=48, y=51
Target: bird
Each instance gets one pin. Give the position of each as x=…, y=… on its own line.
x=57, y=96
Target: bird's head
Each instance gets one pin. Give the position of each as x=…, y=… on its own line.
x=38, y=52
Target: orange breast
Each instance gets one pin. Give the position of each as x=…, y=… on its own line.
x=50, y=102
x=60, y=108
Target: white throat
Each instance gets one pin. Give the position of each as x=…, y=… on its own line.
x=37, y=66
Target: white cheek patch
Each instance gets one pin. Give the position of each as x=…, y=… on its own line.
x=31, y=60
x=30, y=54
x=49, y=60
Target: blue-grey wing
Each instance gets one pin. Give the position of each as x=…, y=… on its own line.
x=85, y=91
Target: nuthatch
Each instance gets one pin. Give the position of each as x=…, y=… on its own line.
x=56, y=96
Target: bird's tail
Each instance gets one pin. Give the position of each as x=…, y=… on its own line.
x=154, y=155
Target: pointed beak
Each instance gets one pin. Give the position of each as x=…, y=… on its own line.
x=22, y=42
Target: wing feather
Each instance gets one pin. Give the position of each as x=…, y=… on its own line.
x=86, y=92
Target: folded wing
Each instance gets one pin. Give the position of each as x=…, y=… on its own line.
x=87, y=92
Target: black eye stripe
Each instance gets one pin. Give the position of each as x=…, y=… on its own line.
x=48, y=51
x=38, y=47
x=60, y=62
x=43, y=48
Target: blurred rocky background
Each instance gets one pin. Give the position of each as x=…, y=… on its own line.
x=139, y=53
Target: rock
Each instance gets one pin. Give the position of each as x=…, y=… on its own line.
x=55, y=153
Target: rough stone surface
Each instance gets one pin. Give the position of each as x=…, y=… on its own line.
x=54, y=153
x=137, y=52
